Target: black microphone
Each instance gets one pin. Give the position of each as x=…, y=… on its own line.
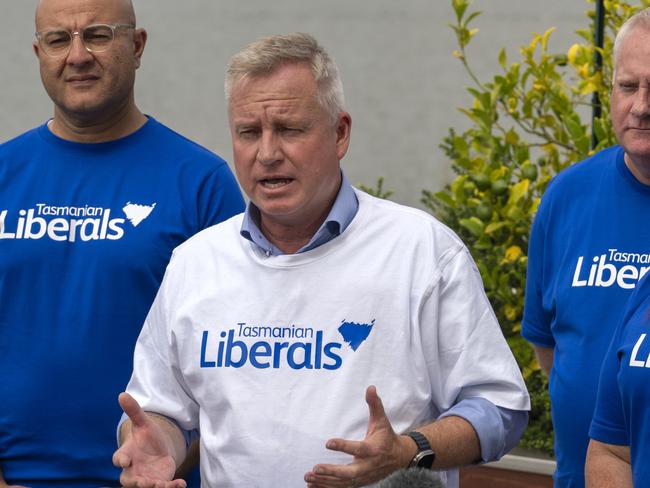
x=412, y=478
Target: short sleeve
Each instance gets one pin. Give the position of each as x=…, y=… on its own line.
x=536, y=324
x=608, y=423
x=473, y=358
x=156, y=382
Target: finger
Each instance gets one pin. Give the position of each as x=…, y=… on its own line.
x=375, y=406
x=179, y=483
x=354, y=448
x=132, y=408
x=148, y=483
x=121, y=459
x=343, y=472
x=328, y=481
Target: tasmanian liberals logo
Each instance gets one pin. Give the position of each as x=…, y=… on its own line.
x=267, y=346
x=70, y=224
x=615, y=267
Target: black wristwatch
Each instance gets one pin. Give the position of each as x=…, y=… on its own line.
x=425, y=456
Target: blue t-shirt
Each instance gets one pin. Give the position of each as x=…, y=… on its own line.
x=86, y=231
x=621, y=415
x=588, y=249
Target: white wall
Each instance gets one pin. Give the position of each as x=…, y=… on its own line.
x=401, y=82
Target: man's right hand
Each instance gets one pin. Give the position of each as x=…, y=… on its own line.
x=148, y=455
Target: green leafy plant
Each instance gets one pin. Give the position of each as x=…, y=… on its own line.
x=378, y=190
x=528, y=122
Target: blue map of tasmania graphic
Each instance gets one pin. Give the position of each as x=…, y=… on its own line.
x=354, y=334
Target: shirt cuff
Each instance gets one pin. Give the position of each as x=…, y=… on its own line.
x=498, y=429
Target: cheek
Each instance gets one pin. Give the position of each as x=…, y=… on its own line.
x=242, y=168
x=619, y=111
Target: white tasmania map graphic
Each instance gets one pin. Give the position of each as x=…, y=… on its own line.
x=136, y=213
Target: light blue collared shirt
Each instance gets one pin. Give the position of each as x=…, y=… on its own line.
x=343, y=211
x=498, y=429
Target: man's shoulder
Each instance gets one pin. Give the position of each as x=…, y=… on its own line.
x=220, y=239
x=586, y=171
x=19, y=142
x=172, y=142
x=405, y=221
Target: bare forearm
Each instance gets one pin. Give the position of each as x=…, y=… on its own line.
x=544, y=357
x=454, y=441
x=608, y=465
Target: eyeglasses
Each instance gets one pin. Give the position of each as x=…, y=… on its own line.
x=95, y=38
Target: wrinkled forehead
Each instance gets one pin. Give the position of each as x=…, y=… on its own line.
x=78, y=13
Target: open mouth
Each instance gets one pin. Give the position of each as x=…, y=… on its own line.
x=273, y=183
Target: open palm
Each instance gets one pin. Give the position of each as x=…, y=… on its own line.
x=146, y=456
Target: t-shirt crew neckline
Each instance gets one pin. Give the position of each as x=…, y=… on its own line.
x=627, y=174
x=49, y=137
x=313, y=255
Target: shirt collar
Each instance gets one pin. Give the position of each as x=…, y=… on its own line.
x=340, y=216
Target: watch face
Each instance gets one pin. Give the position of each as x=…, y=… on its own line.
x=423, y=459
x=426, y=461
x=425, y=456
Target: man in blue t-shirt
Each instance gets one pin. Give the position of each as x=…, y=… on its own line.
x=619, y=450
x=92, y=204
x=588, y=249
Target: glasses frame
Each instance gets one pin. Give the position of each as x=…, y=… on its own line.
x=114, y=27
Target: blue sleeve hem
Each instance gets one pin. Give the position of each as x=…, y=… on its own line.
x=532, y=335
x=608, y=434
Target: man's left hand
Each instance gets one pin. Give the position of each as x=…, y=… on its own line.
x=374, y=458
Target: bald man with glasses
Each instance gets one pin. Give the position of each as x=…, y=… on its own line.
x=92, y=203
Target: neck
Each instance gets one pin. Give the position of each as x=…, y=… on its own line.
x=639, y=169
x=93, y=129
x=290, y=237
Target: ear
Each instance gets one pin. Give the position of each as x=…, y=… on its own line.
x=37, y=49
x=343, y=128
x=139, y=41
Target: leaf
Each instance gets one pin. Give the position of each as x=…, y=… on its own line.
x=473, y=224
x=503, y=60
x=518, y=191
x=444, y=197
x=512, y=254
x=472, y=16
x=573, y=53
x=545, y=37
x=576, y=131
x=459, y=6
x=495, y=226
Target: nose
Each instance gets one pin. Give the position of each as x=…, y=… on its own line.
x=268, y=150
x=78, y=53
x=641, y=106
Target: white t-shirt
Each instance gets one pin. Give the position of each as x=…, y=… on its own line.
x=271, y=355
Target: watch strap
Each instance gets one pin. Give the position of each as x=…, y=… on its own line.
x=425, y=456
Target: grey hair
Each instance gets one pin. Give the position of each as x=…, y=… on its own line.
x=265, y=55
x=639, y=19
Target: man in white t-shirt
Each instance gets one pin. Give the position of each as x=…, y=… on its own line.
x=271, y=329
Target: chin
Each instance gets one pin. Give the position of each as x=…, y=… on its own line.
x=638, y=150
